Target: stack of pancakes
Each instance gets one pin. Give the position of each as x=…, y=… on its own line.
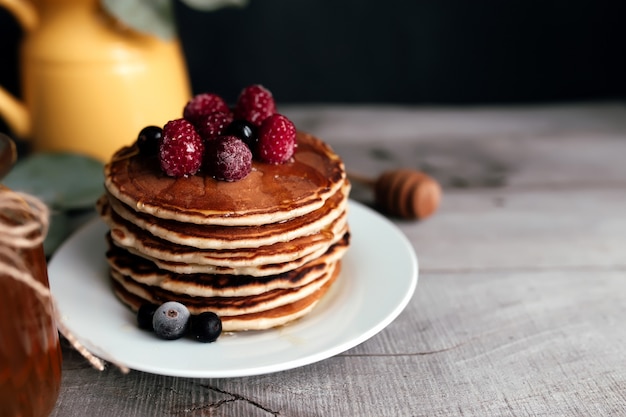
x=259, y=252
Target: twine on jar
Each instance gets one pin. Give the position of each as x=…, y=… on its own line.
x=29, y=232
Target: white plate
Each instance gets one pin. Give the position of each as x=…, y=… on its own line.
x=378, y=278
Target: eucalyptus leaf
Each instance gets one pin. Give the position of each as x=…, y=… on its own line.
x=155, y=17
x=211, y=5
x=58, y=231
x=63, y=181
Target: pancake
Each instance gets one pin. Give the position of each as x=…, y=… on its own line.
x=229, y=237
x=146, y=272
x=260, y=261
x=269, y=194
x=259, y=252
x=260, y=271
x=263, y=320
x=223, y=306
x=129, y=236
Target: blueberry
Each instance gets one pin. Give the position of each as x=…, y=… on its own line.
x=170, y=320
x=145, y=314
x=148, y=140
x=244, y=130
x=206, y=327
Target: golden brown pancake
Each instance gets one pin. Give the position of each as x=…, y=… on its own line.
x=146, y=272
x=223, y=306
x=262, y=320
x=258, y=252
x=229, y=237
x=269, y=194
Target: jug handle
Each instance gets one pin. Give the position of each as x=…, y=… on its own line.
x=23, y=11
x=14, y=111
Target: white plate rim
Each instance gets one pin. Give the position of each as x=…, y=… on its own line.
x=377, y=247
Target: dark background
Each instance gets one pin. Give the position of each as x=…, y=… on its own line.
x=394, y=51
x=445, y=52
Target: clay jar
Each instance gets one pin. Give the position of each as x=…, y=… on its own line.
x=30, y=354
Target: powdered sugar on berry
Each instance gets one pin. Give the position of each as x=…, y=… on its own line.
x=254, y=104
x=181, y=149
x=277, y=139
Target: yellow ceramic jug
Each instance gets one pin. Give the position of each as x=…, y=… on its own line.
x=90, y=84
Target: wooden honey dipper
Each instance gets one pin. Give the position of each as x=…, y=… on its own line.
x=404, y=193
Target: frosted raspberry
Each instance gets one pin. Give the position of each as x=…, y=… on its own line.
x=204, y=103
x=211, y=125
x=277, y=139
x=255, y=104
x=181, y=149
x=228, y=158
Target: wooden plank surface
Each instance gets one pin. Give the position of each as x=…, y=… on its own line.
x=521, y=299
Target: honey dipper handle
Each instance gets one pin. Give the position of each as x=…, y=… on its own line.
x=404, y=193
x=367, y=181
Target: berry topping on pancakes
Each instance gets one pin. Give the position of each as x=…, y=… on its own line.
x=202, y=104
x=181, y=149
x=255, y=131
x=228, y=158
x=245, y=131
x=149, y=139
x=277, y=139
x=255, y=104
x=211, y=125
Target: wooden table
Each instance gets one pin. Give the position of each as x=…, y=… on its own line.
x=521, y=301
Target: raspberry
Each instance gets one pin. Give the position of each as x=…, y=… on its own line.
x=181, y=149
x=204, y=103
x=228, y=158
x=255, y=104
x=277, y=139
x=211, y=125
